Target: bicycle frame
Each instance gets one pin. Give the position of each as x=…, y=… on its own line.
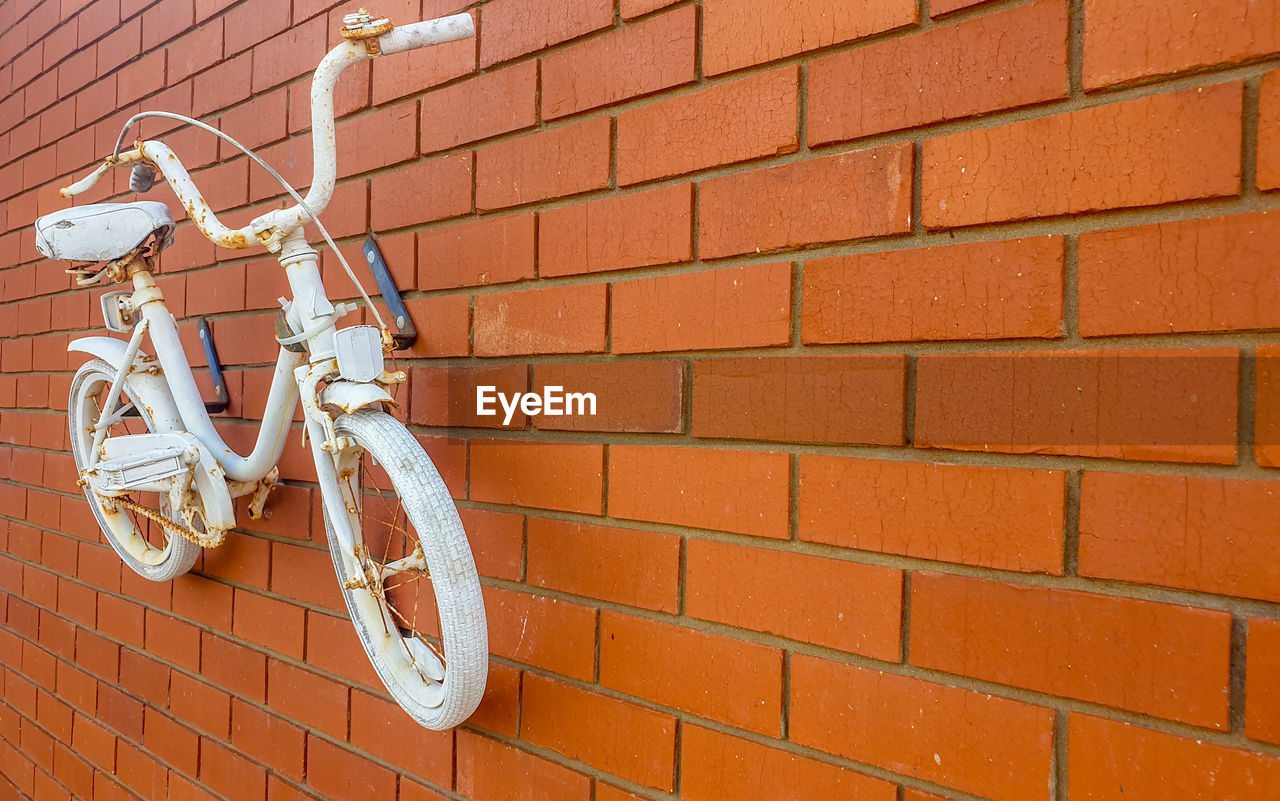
x=308, y=310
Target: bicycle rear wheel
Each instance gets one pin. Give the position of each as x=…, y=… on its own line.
x=409, y=580
x=145, y=544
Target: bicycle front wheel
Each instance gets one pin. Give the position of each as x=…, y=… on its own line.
x=409, y=579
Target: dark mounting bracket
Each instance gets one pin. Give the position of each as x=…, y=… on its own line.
x=408, y=332
x=215, y=370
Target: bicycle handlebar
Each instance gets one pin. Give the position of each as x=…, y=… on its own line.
x=270, y=228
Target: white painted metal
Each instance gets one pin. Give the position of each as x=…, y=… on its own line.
x=102, y=231
x=348, y=396
x=425, y=34
x=359, y=353
x=142, y=462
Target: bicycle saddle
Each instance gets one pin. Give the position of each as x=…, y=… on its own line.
x=103, y=231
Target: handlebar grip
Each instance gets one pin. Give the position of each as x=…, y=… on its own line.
x=142, y=178
x=424, y=34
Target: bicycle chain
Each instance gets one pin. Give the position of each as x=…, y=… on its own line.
x=203, y=540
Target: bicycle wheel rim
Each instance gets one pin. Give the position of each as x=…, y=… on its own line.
x=453, y=628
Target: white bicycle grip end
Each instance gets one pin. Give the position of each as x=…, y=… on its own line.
x=424, y=34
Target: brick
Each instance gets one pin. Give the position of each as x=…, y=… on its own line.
x=220, y=289
x=668, y=665
x=751, y=117
x=288, y=55
x=561, y=319
x=626, y=566
x=166, y=21
x=639, y=59
x=223, y=85
x=1124, y=41
x=446, y=396
x=998, y=61
x=563, y=476
x=394, y=128
x=1002, y=518
x=137, y=770
x=973, y=742
x=172, y=742
x=194, y=52
x=334, y=647
x=500, y=707
x=616, y=737
x=307, y=698
x=1156, y=659
x=1107, y=758
x=515, y=27
x=421, y=69
x=140, y=78
x=546, y=164
x=641, y=229
x=488, y=251
x=1268, y=161
x=431, y=190
x=1262, y=685
x=739, y=33
x=270, y=622
x=252, y=22
x=983, y=290
x=494, y=103
x=205, y=601
x=636, y=8
x=849, y=196
x=751, y=307
x=497, y=542
x=493, y=771
x=1222, y=546
x=1192, y=275
x=93, y=742
x=630, y=395
x=936, y=9
x=544, y=632
x=859, y=398
x=341, y=775
x=1158, y=149
x=727, y=490
x=200, y=705
x=718, y=767
x=382, y=728
x=234, y=667
x=228, y=773
x=1266, y=429
x=173, y=640
x=1160, y=405
x=837, y=604
x=446, y=325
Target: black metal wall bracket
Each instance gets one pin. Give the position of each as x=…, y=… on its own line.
x=215, y=370
x=407, y=331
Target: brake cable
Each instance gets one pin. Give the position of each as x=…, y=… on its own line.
x=315, y=218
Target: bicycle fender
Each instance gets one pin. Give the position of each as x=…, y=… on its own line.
x=150, y=390
x=351, y=397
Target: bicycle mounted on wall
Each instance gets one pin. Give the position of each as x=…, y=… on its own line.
x=159, y=476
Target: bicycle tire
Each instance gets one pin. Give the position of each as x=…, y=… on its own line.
x=399, y=660
x=119, y=528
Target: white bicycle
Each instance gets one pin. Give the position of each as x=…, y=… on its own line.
x=159, y=477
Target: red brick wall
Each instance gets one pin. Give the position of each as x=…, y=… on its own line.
x=937, y=362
